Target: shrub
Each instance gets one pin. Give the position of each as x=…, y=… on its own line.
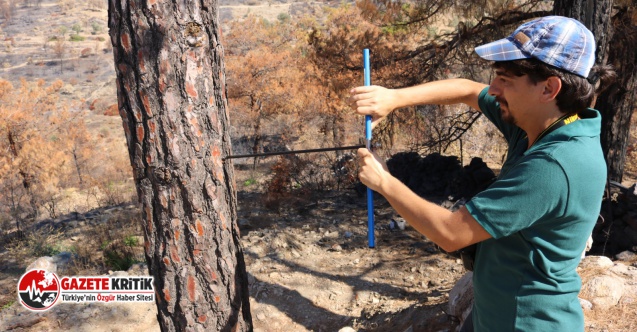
x=76, y=38
x=119, y=256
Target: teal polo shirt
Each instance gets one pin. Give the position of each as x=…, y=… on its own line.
x=540, y=212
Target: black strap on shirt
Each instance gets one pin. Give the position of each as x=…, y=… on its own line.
x=562, y=121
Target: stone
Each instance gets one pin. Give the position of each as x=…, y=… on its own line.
x=461, y=295
x=586, y=305
x=347, y=329
x=626, y=256
x=596, y=261
x=62, y=260
x=603, y=291
x=46, y=263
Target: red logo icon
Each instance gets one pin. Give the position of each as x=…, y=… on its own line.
x=38, y=290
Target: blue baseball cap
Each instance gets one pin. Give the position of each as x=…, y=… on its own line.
x=561, y=42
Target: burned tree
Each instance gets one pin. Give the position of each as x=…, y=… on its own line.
x=172, y=100
x=612, y=23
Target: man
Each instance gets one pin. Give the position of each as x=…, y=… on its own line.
x=532, y=223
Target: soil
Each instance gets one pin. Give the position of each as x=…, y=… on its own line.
x=309, y=264
x=310, y=269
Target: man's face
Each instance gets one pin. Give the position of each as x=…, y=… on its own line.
x=513, y=93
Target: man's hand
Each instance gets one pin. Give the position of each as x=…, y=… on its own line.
x=374, y=100
x=373, y=171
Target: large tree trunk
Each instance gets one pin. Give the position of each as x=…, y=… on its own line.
x=172, y=100
x=595, y=15
x=616, y=104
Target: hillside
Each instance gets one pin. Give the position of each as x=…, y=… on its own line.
x=306, y=252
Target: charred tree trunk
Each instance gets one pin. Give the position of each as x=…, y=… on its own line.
x=595, y=15
x=616, y=104
x=172, y=99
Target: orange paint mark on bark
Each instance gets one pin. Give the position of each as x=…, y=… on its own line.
x=196, y=252
x=202, y=319
x=126, y=42
x=146, y=102
x=217, y=298
x=166, y=261
x=223, y=221
x=190, y=285
x=167, y=295
x=213, y=275
x=215, y=152
x=190, y=90
x=140, y=133
x=199, y=226
x=123, y=69
x=177, y=235
x=174, y=254
x=140, y=60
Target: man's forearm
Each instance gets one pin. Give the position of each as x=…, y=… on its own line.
x=444, y=92
x=450, y=230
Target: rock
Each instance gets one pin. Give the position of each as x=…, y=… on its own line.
x=62, y=261
x=627, y=272
x=347, y=329
x=461, y=296
x=336, y=247
x=603, y=291
x=43, y=263
x=67, y=89
x=586, y=305
x=626, y=256
x=596, y=261
x=139, y=269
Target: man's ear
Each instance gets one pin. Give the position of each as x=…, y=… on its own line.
x=552, y=86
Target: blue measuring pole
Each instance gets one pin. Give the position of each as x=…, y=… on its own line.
x=368, y=144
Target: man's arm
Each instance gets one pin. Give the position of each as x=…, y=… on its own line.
x=450, y=230
x=379, y=101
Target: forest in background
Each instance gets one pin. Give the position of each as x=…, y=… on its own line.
x=287, y=84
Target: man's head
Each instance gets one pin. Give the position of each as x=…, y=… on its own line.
x=551, y=46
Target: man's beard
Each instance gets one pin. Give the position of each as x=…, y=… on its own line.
x=506, y=117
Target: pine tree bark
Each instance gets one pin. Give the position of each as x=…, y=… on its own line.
x=172, y=100
x=616, y=104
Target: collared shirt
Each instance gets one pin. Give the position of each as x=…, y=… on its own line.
x=540, y=212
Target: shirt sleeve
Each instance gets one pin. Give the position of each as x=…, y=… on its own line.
x=533, y=191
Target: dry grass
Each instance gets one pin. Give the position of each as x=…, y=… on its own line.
x=622, y=317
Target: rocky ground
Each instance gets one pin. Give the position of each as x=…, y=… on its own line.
x=310, y=269
x=309, y=264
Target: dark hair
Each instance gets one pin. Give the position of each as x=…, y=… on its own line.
x=578, y=93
